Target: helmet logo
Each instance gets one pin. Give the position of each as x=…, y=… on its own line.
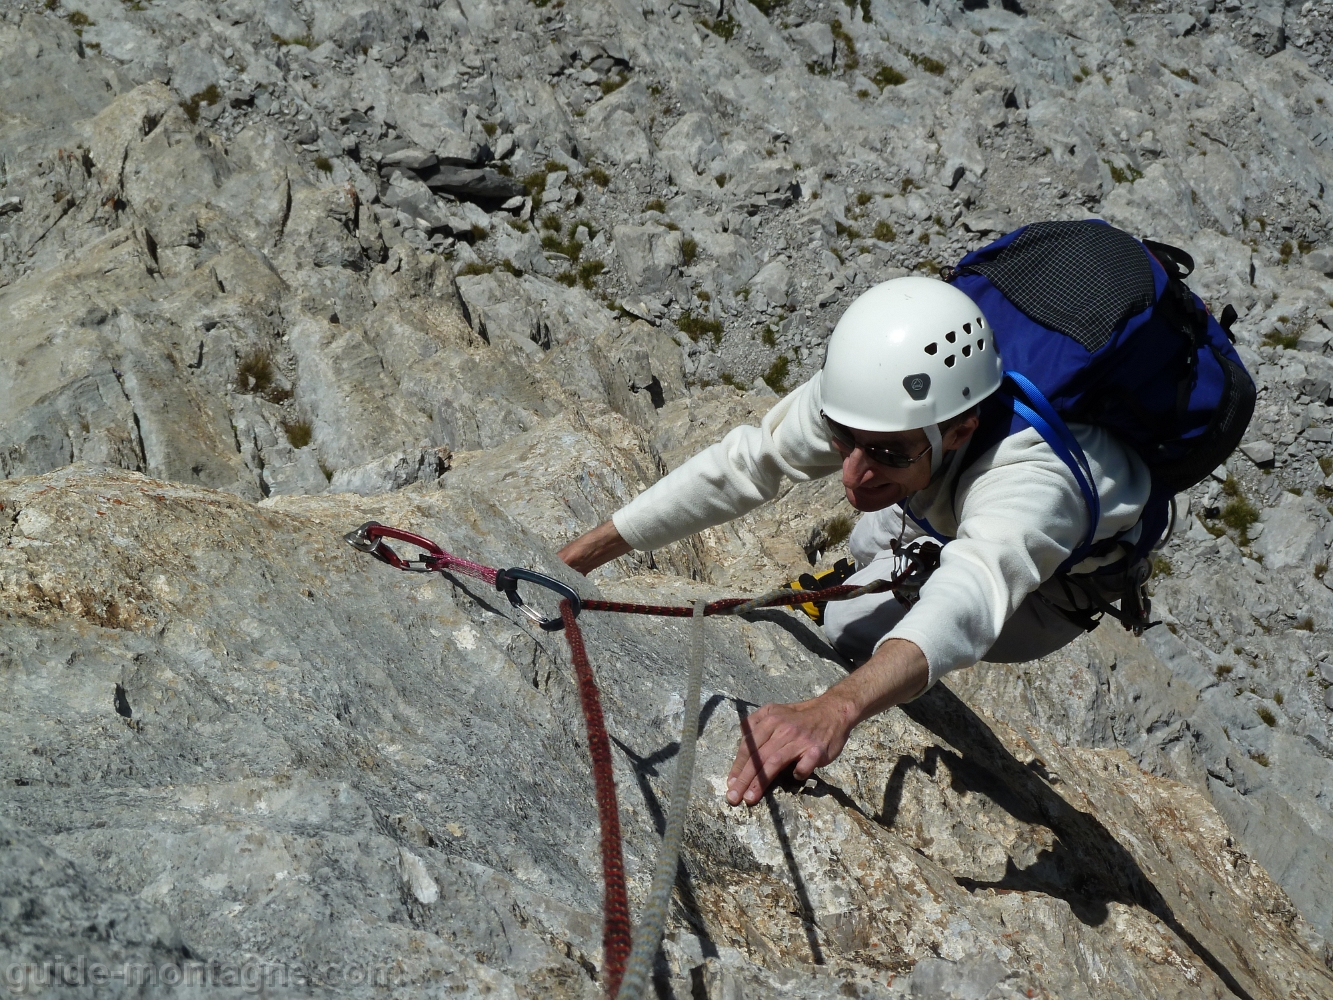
x=917, y=386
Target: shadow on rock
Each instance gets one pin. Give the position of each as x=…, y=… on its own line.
x=1088, y=868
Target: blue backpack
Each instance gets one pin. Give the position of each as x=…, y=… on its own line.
x=1098, y=328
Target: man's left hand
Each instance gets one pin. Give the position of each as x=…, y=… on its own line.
x=807, y=733
x=812, y=733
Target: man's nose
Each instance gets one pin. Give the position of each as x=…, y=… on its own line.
x=856, y=471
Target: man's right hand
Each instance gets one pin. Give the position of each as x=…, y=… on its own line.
x=591, y=550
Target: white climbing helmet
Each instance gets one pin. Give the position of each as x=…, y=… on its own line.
x=907, y=354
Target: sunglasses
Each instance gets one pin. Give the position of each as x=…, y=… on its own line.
x=879, y=454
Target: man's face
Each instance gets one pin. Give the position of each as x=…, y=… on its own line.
x=872, y=486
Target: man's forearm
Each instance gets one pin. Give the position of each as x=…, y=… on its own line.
x=594, y=548
x=897, y=672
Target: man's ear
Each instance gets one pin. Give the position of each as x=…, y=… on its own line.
x=960, y=433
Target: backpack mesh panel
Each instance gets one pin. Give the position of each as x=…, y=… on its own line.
x=1084, y=279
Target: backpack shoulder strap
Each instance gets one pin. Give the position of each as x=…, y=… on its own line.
x=1031, y=406
x=1037, y=410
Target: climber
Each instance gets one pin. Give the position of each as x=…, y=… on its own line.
x=911, y=379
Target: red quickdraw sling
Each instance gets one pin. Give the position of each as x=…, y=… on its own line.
x=616, y=928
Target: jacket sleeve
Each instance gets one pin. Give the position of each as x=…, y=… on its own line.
x=735, y=475
x=1019, y=518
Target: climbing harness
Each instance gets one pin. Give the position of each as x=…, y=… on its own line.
x=627, y=958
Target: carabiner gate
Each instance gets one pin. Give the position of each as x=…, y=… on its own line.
x=506, y=581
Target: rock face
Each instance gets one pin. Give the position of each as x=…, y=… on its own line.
x=488, y=269
x=266, y=755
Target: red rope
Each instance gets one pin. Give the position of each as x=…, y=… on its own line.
x=724, y=605
x=616, y=929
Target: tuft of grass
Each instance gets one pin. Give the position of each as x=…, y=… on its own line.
x=724, y=27
x=703, y=296
x=1278, y=338
x=837, y=531
x=863, y=197
x=884, y=232
x=1266, y=714
x=78, y=20
x=210, y=95
x=323, y=164
x=932, y=66
x=695, y=327
x=777, y=374
x=550, y=222
x=655, y=205
x=1223, y=669
x=1260, y=758
x=1239, y=514
x=305, y=41
x=1305, y=624
x=571, y=247
x=611, y=84
x=1123, y=175
x=475, y=267
x=599, y=176
x=1286, y=250
x=299, y=432
x=255, y=375
x=769, y=337
x=721, y=180
x=887, y=76
x=689, y=249
x=851, y=232
x=535, y=182
x=589, y=270
x=490, y=128
x=906, y=184
x=1161, y=566
x=1278, y=697
x=850, y=59
x=518, y=224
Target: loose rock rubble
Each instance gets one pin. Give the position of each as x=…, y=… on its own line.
x=534, y=255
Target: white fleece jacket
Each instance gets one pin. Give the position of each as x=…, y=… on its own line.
x=1016, y=514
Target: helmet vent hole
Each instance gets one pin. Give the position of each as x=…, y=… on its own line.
x=949, y=361
x=967, y=350
x=966, y=392
x=951, y=336
x=981, y=345
x=967, y=327
x=980, y=322
x=932, y=348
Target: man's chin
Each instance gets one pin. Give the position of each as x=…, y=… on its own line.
x=877, y=498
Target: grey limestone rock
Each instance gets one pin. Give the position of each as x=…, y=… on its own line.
x=392, y=472
x=651, y=254
x=250, y=291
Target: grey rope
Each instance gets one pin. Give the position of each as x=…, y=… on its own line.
x=648, y=935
